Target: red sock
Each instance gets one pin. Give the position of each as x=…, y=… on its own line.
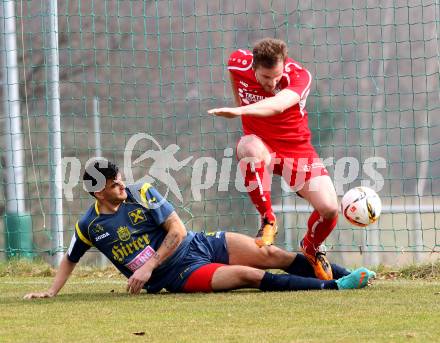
x=257, y=181
x=318, y=229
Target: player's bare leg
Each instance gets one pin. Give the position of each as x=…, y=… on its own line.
x=320, y=193
x=253, y=146
x=234, y=277
x=254, y=158
x=243, y=251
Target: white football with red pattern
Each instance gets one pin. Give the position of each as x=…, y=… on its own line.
x=361, y=206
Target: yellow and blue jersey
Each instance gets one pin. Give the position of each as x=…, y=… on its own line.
x=131, y=235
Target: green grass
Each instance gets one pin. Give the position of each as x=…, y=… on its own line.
x=93, y=307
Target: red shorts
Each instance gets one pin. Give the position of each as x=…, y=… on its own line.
x=200, y=280
x=297, y=165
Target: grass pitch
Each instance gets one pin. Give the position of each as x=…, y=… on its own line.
x=97, y=309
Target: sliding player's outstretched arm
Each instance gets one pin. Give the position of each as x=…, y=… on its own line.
x=62, y=275
x=176, y=233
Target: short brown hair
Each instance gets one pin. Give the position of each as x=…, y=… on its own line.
x=268, y=52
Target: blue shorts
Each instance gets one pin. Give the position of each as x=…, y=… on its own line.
x=204, y=249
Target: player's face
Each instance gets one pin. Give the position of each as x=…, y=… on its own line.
x=268, y=78
x=114, y=190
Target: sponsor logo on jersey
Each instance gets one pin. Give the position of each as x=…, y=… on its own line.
x=137, y=216
x=98, y=229
x=124, y=233
x=122, y=250
x=98, y=238
x=244, y=84
x=141, y=258
x=248, y=97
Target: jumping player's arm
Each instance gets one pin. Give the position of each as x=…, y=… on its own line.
x=65, y=270
x=234, y=90
x=176, y=232
x=271, y=106
x=263, y=108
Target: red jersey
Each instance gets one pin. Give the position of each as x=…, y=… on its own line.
x=288, y=130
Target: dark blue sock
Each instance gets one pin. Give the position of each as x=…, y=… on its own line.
x=288, y=282
x=339, y=271
x=301, y=267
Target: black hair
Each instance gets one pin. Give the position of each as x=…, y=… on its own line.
x=96, y=171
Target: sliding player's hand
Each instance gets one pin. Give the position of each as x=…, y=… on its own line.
x=227, y=112
x=39, y=295
x=137, y=281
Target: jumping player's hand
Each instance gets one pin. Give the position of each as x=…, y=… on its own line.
x=227, y=112
x=137, y=281
x=39, y=295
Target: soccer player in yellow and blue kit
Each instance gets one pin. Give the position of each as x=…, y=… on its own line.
x=142, y=235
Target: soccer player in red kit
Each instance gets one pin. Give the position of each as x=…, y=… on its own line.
x=271, y=91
